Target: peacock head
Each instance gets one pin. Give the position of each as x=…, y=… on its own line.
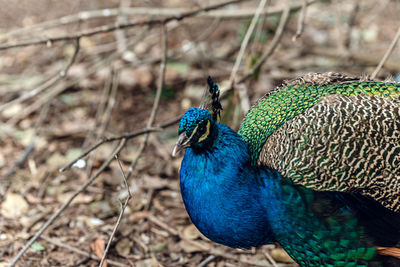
x=194, y=129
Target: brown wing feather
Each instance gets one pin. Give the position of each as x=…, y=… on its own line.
x=344, y=143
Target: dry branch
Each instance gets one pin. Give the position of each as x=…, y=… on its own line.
x=125, y=136
x=241, y=13
x=387, y=54
x=161, y=81
x=274, y=43
x=110, y=28
x=50, y=82
x=246, y=39
x=123, y=207
x=300, y=23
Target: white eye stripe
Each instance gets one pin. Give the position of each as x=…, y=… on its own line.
x=205, y=135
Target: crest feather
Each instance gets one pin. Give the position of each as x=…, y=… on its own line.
x=211, y=100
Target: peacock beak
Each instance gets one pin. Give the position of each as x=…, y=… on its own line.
x=183, y=142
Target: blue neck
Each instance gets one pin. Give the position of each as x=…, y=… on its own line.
x=219, y=192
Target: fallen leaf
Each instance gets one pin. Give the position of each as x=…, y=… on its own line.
x=14, y=206
x=36, y=246
x=191, y=232
x=56, y=160
x=98, y=249
x=123, y=247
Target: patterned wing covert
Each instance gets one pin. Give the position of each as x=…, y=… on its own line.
x=331, y=132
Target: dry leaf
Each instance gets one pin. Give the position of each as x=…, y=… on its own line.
x=191, y=232
x=14, y=206
x=98, y=249
x=123, y=247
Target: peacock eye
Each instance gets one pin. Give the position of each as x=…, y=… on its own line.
x=202, y=127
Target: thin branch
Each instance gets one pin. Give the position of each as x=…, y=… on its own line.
x=161, y=81
x=206, y=261
x=274, y=43
x=28, y=150
x=110, y=28
x=99, y=119
x=80, y=251
x=106, y=115
x=241, y=13
x=122, y=18
x=50, y=82
x=123, y=207
x=124, y=136
x=387, y=54
x=349, y=26
x=62, y=87
x=32, y=144
x=66, y=204
x=300, y=23
x=245, y=41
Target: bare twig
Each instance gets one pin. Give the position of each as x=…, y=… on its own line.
x=387, y=54
x=122, y=18
x=80, y=251
x=274, y=43
x=99, y=119
x=66, y=204
x=124, y=136
x=123, y=207
x=110, y=28
x=157, y=98
x=241, y=13
x=50, y=82
x=28, y=150
x=350, y=24
x=107, y=114
x=32, y=144
x=63, y=86
x=245, y=41
x=206, y=261
x=300, y=23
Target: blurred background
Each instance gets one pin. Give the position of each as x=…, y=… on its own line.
x=70, y=77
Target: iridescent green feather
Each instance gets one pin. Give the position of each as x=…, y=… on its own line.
x=272, y=111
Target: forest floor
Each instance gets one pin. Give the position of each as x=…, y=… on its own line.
x=59, y=98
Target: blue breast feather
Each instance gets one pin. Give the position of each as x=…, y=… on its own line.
x=219, y=192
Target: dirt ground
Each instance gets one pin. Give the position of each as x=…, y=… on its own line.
x=58, y=99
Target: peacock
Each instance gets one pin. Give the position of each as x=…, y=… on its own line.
x=315, y=167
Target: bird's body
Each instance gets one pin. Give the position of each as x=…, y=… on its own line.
x=236, y=196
